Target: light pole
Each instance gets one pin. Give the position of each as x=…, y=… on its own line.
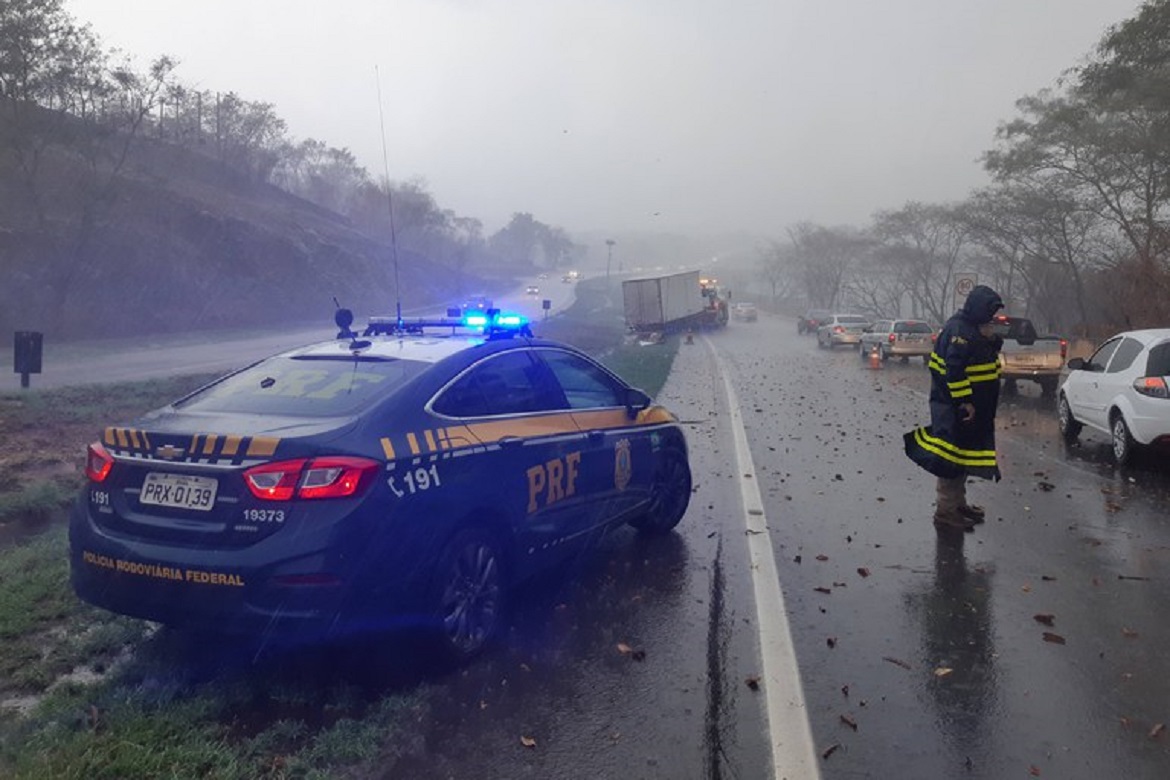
x=609, y=242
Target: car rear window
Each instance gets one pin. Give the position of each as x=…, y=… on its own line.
x=852, y=320
x=305, y=386
x=1158, y=363
x=911, y=327
x=1021, y=330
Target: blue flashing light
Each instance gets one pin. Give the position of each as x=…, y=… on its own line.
x=475, y=321
x=510, y=320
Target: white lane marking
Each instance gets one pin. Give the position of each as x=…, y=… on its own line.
x=793, y=754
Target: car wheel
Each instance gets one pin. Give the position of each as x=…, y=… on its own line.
x=1123, y=443
x=1048, y=387
x=1010, y=387
x=926, y=360
x=669, y=495
x=1069, y=427
x=469, y=594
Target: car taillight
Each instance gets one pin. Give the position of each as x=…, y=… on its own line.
x=331, y=477
x=893, y=338
x=336, y=477
x=933, y=338
x=1153, y=386
x=838, y=329
x=98, y=462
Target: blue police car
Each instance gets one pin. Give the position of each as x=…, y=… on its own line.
x=406, y=477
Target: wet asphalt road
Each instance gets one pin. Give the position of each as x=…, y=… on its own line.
x=922, y=655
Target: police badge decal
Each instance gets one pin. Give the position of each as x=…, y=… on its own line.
x=622, y=467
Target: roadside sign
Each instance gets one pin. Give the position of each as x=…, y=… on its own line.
x=964, y=284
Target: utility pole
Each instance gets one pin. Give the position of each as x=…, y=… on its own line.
x=609, y=242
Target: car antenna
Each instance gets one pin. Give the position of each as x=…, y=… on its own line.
x=389, y=202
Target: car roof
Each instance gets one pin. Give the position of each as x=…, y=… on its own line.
x=1146, y=336
x=425, y=348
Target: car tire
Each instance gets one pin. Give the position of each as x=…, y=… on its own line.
x=1070, y=429
x=670, y=494
x=1123, y=444
x=1010, y=387
x=1048, y=387
x=469, y=594
x=926, y=360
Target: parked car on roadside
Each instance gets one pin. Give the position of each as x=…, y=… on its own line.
x=1027, y=355
x=841, y=329
x=744, y=311
x=812, y=320
x=898, y=338
x=1122, y=390
x=404, y=479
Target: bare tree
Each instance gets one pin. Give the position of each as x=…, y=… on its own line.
x=923, y=244
x=775, y=263
x=823, y=259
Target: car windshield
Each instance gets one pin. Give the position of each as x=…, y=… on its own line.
x=304, y=386
x=911, y=327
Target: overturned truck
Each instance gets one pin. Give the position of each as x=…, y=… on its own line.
x=672, y=303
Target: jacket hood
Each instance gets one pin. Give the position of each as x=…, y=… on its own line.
x=981, y=305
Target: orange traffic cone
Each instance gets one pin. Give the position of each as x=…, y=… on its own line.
x=875, y=358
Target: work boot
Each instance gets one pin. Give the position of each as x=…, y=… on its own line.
x=973, y=513
x=953, y=521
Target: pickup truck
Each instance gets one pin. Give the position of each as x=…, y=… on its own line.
x=1027, y=355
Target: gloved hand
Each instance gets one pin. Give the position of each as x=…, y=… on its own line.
x=966, y=412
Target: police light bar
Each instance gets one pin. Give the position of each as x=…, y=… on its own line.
x=492, y=323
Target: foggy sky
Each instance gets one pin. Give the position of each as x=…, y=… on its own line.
x=682, y=115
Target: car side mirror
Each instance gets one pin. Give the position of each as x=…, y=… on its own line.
x=1077, y=364
x=636, y=400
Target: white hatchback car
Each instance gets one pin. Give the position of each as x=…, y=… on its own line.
x=1122, y=390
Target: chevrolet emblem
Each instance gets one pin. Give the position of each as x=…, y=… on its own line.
x=169, y=452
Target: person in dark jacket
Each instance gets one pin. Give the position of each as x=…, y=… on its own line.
x=964, y=395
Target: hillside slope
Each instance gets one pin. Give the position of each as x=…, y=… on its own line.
x=175, y=241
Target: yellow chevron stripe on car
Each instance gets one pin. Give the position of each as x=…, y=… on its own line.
x=231, y=444
x=262, y=446
x=523, y=427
